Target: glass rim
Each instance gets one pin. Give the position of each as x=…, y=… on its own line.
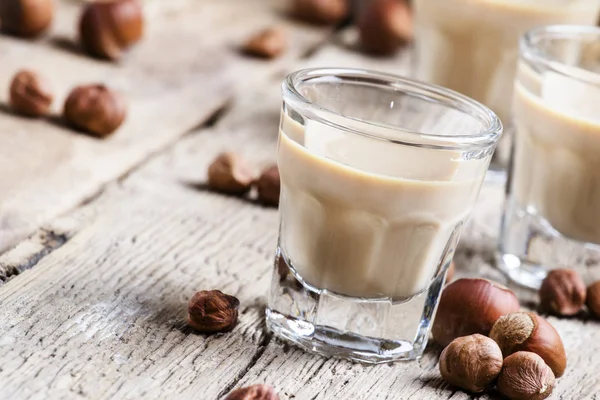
x=529, y=49
x=489, y=135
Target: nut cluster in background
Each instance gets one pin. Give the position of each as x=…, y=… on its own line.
x=383, y=26
x=106, y=30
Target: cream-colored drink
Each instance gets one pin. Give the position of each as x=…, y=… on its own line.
x=368, y=218
x=557, y=153
x=471, y=46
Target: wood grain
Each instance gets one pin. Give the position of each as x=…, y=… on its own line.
x=185, y=69
x=101, y=315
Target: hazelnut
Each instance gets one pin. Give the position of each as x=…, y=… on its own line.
x=211, y=311
x=525, y=376
x=593, y=298
x=254, y=392
x=95, y=109
x=450, y=273
x=525, y=331
x=269, y=186
x=229, y=173
x=108, y=28
x=562, y=292
x=26, y=18
x=322, y=12
x=470, y=306
x=471, y=362
x=384, y=26
x=268, y=43
x=30, y=94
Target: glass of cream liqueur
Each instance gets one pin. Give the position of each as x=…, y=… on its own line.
x=472, y=46
x=552, y=213
x=378, y=175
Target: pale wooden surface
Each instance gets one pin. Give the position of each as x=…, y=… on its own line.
x=95, y=299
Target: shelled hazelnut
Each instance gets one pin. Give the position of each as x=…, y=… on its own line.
x=212, y=311
x=26, y=18
x=525, y=376
x=471, y=363
x=30, y=94
x=562, y=292
x=230, y=173
x=107, y=28
x=593, y=298
x=384, y=25
x=469, y=306
x=95, y=109
x=268, y=43
x=322, y=12
x=269, y=186
x=526, y=331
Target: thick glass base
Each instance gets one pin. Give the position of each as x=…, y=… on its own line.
x=530, y=247
x=365, y=330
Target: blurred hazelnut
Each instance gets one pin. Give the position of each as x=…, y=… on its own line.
x=469, y=306
x=95, y=109
x=269, y=186
x=211, y=311
x=471, y=363
x=30, y=94
x=26, y=18
x=525, y=376
x=593, y=298
x=562, y=292
x=525, y=331
x=450, y=273
x=322, y=12
x=268, y=43
x=229, y=173
x=107, y=28
x=384, y=26
x=254, y=392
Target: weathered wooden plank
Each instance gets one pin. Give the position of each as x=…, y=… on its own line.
x=103, y=314
x=181, y=73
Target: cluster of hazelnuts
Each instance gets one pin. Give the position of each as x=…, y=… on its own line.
x=106, y=30
x=383, y=25
x=229, y=173
x=489, y=341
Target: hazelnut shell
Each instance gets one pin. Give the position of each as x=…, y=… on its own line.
x=321, y=12
x=593, y=299
x=254, y=392
x=384, y=26
x=229, y=173
x=211, y=311
x=469, y=306
x=30, y=94
x=108, y=28
x=562, y=292
x=26, y=18
x=471, y=363
x=526, y=331
x=525, y=376
x=95, y=109
x=268, y=43
x=269, y=186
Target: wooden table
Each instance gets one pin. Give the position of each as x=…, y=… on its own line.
x=102, y=242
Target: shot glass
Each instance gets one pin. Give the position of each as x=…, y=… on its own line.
x=472, y=46
x=552, y=212
x=378, y=175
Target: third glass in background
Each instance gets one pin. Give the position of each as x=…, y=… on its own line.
x=552, y=215
x=471, y=46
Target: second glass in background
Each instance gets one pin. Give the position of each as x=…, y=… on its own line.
x=552, y=216
x=471, y=46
